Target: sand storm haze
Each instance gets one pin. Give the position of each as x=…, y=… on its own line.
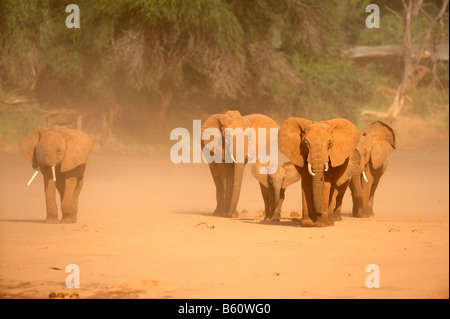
x=145, y=230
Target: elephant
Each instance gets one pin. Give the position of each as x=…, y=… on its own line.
x=363, y=174
x=273, y=187
x=375, y=147
x=227, y=174
x=61, y=155
x=321, y=152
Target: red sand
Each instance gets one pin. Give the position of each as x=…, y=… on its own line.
x=138, y=236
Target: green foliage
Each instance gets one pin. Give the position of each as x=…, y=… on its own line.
x=332, y=88
x=15, y=122
x=266, y=56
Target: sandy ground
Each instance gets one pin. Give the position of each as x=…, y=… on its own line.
x=139, y=235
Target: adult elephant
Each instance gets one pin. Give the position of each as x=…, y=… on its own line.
x=321, y=152
x=60, y=154
x=375, y=147
x=227, y=174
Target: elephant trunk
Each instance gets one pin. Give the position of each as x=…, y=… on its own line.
x=238, y=172
x=317, y=183
x=317, y=166
x=43, y=157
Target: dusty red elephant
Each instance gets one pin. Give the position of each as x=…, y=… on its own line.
x=61, y=155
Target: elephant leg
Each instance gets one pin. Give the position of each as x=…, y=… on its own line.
x=233, y=188
x=67, y=202
x=339, y=198
x=307, y=202
x=50, y=193
x=228, y=174
x=217, y=173
x=277, y=210
x=76, y=195
x=357, y=195
x=60, y=183
x=376, y=180
x=265, y=195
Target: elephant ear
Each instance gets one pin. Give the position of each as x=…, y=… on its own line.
x=383, y=142
x=345, y=139
x=289, y=139
x=27, y=145
x=263, y=121
x=262, y=178
x=291, y=174
x=353, y=168
x=78, y=148
x=214, y=141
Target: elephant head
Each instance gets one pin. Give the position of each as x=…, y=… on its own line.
x=232, y=147
x=49, y=147
x=377, y=143
x=318, y=147
x=283, y=177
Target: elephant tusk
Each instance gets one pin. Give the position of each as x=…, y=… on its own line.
x=310, y=170
x=53, y=173
x=232, y=157
x=32, y=178
x=326, y=166
x=365, y=177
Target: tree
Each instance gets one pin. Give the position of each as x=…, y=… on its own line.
x=413, y=69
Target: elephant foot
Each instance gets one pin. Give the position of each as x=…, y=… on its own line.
x=320, y=223
x=367, y=214
x=69, y=220
x=357, y=214
x=275, y=218
x=307, y=223
x=235, y=214
x=337, y=217
x=218, y=212
x=51, y=221
x=324, y=221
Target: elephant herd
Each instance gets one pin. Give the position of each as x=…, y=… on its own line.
x=327, y=157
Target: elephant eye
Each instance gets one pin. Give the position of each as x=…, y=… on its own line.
x=330, y=143
x=58, y=149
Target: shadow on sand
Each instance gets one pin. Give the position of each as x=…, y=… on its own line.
x=32, y=221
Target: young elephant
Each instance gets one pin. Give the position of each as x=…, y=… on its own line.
x=60, y=154
x=376, y=145
x=366, y=166
x=274, y=185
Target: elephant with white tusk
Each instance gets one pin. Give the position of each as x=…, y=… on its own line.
x=61, y=155
x=233, y=145
x=367, y=164
x=376, y=145
x=274, y=185
x=320, y=151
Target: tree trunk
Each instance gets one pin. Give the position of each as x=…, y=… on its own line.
x=410, y=64
x=166, y=98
